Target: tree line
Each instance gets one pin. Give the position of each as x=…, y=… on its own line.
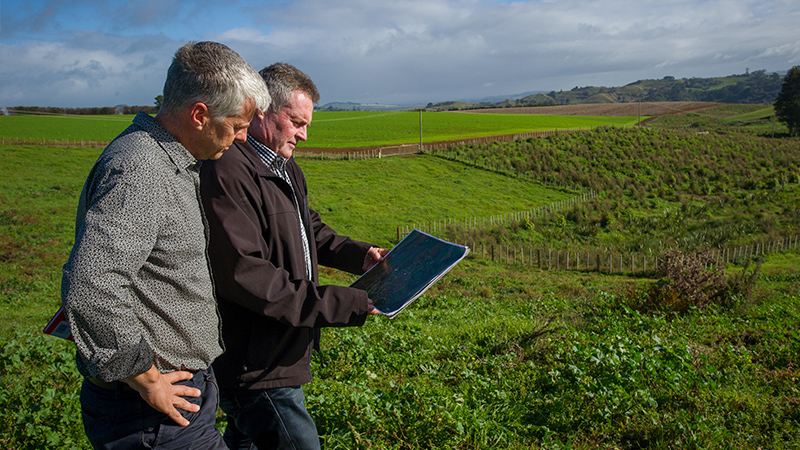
x=94, y=111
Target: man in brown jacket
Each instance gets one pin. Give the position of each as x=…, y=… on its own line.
x=265, y=245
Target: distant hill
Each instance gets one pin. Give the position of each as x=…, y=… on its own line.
x=751, y=88
x=501, y=98
x=351, y=106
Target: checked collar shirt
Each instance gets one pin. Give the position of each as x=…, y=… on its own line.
x=277, y=164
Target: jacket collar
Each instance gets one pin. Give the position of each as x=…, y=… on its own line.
x=252, y=156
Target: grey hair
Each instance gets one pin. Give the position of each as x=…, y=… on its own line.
x=212, y=73
x=282, y=80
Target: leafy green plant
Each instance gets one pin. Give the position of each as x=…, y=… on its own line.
x=39, y=394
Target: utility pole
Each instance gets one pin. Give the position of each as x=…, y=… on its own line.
x=420, y=130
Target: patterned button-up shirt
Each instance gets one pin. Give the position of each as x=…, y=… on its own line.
x=277, y=164
x=137, y=286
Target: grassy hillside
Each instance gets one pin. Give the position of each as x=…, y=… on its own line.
x=751, y=119
x=659, y=189
x=495, y=355
x=369, y=199
x=753, y=88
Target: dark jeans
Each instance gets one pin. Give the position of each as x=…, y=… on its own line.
x=268, y=419
x=120, y=419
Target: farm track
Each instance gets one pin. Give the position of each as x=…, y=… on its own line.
x=654, y=110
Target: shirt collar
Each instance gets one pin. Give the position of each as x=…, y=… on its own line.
x=268, y=156
x=179, y=155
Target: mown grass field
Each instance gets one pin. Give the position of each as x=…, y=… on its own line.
x=494, y=355
x=331, y=129
x=98, y=128
x=366, y=129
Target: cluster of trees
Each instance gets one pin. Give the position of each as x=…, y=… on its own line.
x=97, y=110
x=89, y=111
x=787, y=105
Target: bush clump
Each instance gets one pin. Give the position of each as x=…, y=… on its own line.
x=691, y=280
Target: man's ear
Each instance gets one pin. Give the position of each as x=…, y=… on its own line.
x=259, y=115
x=200, y=115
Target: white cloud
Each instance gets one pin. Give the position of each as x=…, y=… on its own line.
x=403, y=51
x=68, y=74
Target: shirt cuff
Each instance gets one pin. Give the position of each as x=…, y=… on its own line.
x=127, y=363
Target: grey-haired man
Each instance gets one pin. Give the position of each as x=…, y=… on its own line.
x=137, y=287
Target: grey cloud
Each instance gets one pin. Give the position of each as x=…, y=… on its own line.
x=433, y=50
x=68, y=74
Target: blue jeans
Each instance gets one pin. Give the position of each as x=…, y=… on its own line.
x=268, y=419
x=120, y=419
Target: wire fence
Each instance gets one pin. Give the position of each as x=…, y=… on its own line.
x=607, y=261
x=503, y=138
x=77, y=143
x=436, y=226
x=435, y=148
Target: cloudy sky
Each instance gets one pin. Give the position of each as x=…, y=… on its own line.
x=77, y=53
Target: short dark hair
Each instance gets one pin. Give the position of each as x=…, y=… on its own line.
x=283, y=79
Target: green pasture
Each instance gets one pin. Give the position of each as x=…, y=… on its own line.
x=332, y=129
x=367, y=199
x=96, y=128
x=39, y=188
x=365, y=129
x=494, y=355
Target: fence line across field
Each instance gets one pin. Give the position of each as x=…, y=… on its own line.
x=433, y=148
x=617, y=262
x=436, y=226
x=77, y=143
x=367, y=153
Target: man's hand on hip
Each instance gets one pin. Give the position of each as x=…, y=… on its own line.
x=160, y=391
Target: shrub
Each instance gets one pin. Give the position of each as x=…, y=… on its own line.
x=690, y=280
